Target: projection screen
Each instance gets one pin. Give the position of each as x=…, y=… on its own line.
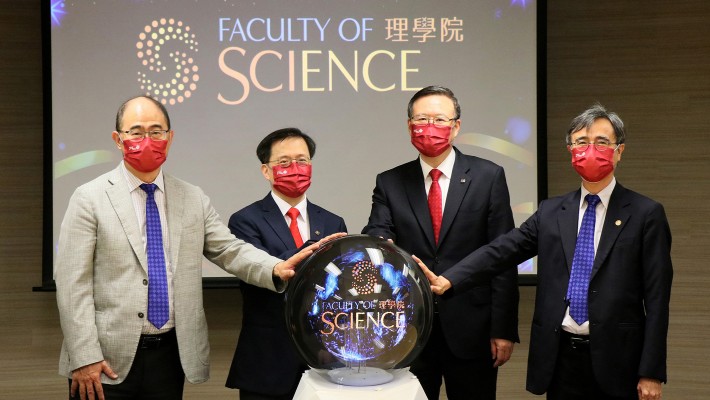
x=229, y=72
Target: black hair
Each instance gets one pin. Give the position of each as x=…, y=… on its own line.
x=263, y=150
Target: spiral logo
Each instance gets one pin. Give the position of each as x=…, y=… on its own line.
x=364, y=277
x=166, y=48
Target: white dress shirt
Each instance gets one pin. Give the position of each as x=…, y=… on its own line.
x=301, y=220
x=446, y=167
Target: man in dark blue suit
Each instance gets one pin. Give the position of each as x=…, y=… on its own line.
x=265, y=364
x=441, y=207
x=601, y=334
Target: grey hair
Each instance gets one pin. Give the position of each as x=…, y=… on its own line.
x=593, y=113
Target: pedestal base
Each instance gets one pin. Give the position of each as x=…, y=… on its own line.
x=359, y=376
x=316, y=385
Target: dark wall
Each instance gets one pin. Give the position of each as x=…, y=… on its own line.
x=650, y=62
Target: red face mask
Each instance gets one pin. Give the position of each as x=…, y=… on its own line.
x=294, y=180
x=591, y=164
x=145, y=154
x=430, y=139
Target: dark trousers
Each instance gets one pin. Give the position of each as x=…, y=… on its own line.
x=574, y=378
x=156, y=373
x=464, y=379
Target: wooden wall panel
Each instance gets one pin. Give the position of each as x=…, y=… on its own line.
x=29, y=332
x=650, y=62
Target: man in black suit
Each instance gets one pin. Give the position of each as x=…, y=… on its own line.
x=441, y=207
x=265, y=364
x=605, y=339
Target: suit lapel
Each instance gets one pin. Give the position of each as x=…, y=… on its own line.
x=276, y=221
x=416, y=195
x=617, y=215
x=122, y=204
x=316, y=222
x=458, y=186
x=175, y=205
x=567, y=222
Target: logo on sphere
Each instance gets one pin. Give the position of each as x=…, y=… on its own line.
x=166, y=50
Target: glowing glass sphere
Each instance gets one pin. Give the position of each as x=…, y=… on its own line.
x=359, y=301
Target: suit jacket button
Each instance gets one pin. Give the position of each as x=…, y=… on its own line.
x=145, y=282
x=140, y=315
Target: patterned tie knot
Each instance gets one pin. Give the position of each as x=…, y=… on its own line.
x=149, y=188
x=435, y=175
x=293, y=213
x=592, y=200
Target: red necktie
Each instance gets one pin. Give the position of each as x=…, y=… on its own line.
x=293, y=213
x=435, y=203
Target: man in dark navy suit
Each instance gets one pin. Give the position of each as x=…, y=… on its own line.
x=597, y=333
x=265, y=364
x=441, y=207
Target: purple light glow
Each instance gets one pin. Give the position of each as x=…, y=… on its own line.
x=520, y=3
x=57, y=12
x=519, y=129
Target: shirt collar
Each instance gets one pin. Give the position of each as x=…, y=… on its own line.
x=134, y=183
x=283, y=206
x=604, y=194
x=446, y=167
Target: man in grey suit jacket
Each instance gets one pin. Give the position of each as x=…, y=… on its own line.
x=104, y=270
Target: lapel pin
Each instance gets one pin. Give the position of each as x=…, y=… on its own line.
x=618, y=222
x=463, y=180
x=318, y=232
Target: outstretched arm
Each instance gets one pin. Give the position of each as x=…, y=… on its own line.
x=286, y=269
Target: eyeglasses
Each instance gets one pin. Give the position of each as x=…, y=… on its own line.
x=155, y=134
x=599, y=144
x=284, y=162
x=439, y=120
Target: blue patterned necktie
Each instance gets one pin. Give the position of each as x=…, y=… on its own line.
x=582, y=263
x=158, y=305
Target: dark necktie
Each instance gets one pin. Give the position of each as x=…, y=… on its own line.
x=293, y=227
x=435, y=203
x=582, y=263
x=158, y=304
